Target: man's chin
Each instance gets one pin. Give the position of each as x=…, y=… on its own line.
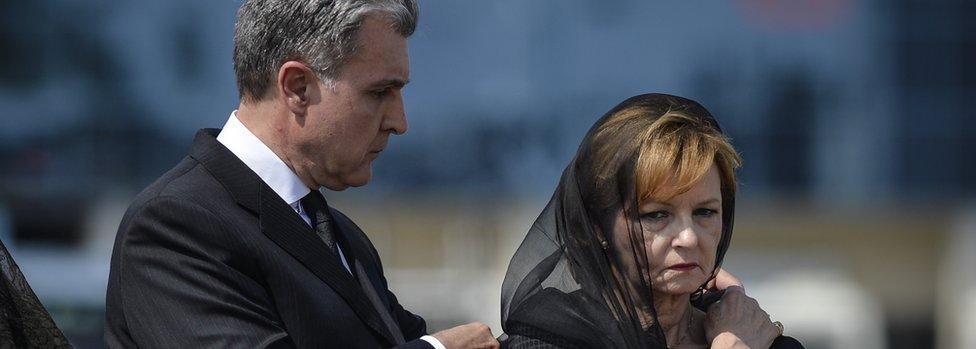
x=356, y=178
x=360, y=178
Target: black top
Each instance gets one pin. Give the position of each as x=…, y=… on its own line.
x=24, y=323
x=554, y=319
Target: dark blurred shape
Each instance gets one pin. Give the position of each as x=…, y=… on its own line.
x=48, y=220
x=16, y=46
x=934, y=47
x=789, y=139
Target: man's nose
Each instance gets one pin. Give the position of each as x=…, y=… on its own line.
x=396, y=118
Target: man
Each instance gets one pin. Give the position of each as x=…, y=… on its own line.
x=236, y=246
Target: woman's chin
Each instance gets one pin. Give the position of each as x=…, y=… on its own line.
x=676, y=290
x=678, y=285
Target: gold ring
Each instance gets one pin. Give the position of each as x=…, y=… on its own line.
x=779, y=327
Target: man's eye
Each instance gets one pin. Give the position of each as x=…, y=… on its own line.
x=656, y=215
x=705, y=212
x=381, y=93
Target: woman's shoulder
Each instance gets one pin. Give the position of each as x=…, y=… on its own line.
x=564, y=320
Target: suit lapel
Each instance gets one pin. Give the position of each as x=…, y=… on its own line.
x=349, y=233
x=280, y=223
x=283, y=226
x=242, y=183
x=372, y=288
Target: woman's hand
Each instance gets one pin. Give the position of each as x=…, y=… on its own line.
x=724, y=280
x=737, y=321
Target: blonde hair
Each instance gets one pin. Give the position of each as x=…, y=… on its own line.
x=676, y=152
x=679, y=150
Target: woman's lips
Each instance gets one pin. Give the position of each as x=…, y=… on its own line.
x=683, y=266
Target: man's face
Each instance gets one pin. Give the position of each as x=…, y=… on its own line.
x=348, y=124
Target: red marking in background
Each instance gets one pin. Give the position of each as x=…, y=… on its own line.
x=795, y=14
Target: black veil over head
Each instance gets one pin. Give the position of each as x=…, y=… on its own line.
x=566, y=285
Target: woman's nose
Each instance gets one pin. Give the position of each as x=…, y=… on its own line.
x=687, y=236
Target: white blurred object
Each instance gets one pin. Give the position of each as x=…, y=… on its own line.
x=821, y=308
x=955, y=321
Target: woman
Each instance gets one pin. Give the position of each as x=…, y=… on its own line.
x=23, y=321
x=637, y=227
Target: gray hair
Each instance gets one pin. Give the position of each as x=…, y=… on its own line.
x=320, y=33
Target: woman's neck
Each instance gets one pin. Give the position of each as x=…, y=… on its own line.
x=676, y=318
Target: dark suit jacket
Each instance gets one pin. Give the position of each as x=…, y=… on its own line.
x=209, y=256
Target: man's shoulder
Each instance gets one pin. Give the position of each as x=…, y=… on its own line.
x=187, y=182
x=187, y=203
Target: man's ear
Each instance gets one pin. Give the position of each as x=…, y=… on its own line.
x=295, y=80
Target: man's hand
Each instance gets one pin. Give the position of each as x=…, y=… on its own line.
x=475, y=335
x=737, y=321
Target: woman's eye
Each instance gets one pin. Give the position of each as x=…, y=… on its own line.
x=705, y=212
x=656, y=215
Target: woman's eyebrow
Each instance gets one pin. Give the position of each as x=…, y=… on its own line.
x=657, y=203
x=709, y=202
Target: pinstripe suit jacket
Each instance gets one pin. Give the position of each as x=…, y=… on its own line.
x=209, y=256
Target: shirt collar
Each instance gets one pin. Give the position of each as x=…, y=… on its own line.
x=260, y=159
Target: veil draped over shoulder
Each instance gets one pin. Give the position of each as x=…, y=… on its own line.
x=565, y=286
x=24, y=323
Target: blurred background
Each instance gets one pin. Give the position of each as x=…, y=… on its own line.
x=857, y=220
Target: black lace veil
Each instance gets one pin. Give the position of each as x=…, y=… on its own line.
x=566, y=285
x=24, y=323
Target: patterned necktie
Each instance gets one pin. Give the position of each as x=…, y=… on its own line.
x=317, y=210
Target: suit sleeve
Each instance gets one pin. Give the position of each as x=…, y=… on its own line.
x=181, y=283
x=412, y=325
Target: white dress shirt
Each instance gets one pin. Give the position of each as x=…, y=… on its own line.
x=273, y=171
x=269, y=167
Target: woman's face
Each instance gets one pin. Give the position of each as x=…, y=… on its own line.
x=681, y=237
